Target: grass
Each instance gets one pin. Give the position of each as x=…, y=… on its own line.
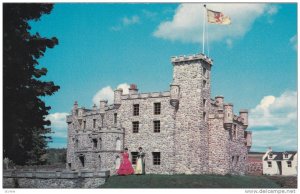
x=188, y=181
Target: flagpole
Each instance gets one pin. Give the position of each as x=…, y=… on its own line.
x=203, y=33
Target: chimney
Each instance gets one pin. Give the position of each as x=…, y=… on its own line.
x=133, y=89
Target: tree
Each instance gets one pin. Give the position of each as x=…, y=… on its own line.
x=25, y=129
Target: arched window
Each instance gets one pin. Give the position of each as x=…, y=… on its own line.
x=117, y=162
x=118, y=144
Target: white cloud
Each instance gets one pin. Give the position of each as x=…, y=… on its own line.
x=58, y=124
x=130, y=21
x=294, y=42
x=107, y=93
x=126, y=21
x=274, y=122
x=186, y=25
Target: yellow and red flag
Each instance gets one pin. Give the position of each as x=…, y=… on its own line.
x=217, y=18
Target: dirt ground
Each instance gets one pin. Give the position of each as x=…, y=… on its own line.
x=285, y=181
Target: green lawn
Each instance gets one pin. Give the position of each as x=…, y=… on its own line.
x=188, y=181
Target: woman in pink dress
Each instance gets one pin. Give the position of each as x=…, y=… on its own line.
x=125, y=167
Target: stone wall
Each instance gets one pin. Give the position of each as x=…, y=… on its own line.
x=146, y=138
x=255, y=168
x=54, y=179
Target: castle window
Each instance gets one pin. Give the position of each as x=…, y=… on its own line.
x=156, y=158
x=118, y=162
x=115, y=118
x=271, y=155
x=234, y=131
x=156, y=125
x=94, y=123
x=204, y=83
x=118, y=144
x=81, y=158
x=157, y=107
x=95, y=142
x=232, y=159
x=84, y=124
x=135, y=127
x=134, y=157
x=204, y=102
x=237, y=159
x=102, y=120
x=136, y=109
x=76, y=143
x=270, y=164
x=289, y=164
x=204, y=116
x=100, y=143
x=204, y=71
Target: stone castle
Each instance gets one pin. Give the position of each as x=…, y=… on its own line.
x=181, y=131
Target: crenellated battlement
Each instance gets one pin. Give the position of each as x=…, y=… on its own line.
x=145, y=95
x=176, y=60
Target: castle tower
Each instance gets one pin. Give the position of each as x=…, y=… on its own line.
x=190, y=93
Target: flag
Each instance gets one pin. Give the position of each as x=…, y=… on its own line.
x=217, y=17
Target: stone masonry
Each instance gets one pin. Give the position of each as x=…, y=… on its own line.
x=181, y=131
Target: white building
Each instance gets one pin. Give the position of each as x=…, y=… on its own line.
x=280, y=163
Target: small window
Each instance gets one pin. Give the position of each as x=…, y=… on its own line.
x=157, y=107
x=269, y=164
x=81, y=158
x=289, y=164
x=136, y=109
x=84, y=124
x=286, y=155
x=204, y=71
x=204, y=102
x=135, y=127
x=69, y=165
x=115, y=118
x=204, y=116
x=100, y=143
x=102, y=120
x=95, y=143
x=94, y=123
x=232, y=159
x=237, y=159
x=117, y=162
x=270, y=155
x=118, y=144
x=76, y=143
x=156, y=158
x=134, y=157
x=204, y=83
x=156, y=125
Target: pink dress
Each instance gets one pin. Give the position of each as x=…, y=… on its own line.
x=125, y=167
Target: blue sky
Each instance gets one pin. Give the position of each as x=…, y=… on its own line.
x=104, y=45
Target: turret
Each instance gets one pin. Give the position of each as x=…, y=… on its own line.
x=174, y=90
x=75, y=107
x=117, y=96
x=103, y=104
x=244, y=116
x=219, y=101
x=228, y=115
x=133, y=89
x=94, y=107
